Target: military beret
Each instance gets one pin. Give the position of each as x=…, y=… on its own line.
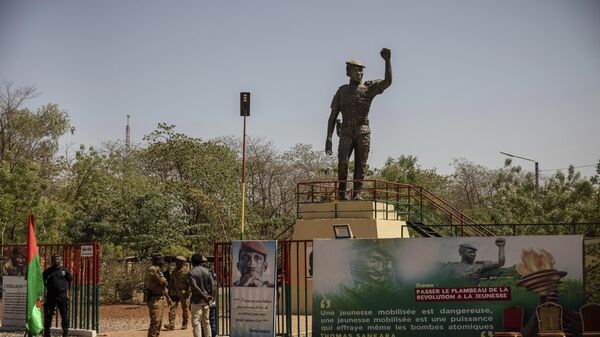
x=255, y=246
x=157, y=257
x=180, y=258
x=467, y=246
x=355, y=62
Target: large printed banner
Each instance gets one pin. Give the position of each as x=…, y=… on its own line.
x=14, y=296
x=439, y=286
x=253, y=289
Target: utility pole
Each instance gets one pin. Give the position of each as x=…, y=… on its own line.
x=537, y=182
x=244, y=112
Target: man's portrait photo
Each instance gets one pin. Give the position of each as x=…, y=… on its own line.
x=15, y=261
x=254, y=263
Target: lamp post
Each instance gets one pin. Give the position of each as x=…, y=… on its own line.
x=537, y=182
x=244, y=112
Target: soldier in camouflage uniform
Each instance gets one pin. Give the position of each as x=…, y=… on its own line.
x=155, y=288
x=353, y=100
x=179, y=292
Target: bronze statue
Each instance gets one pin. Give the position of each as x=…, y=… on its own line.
x=353, y=100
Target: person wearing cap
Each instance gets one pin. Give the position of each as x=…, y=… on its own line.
x=353, y=100
x=468, y=269
x=155, y=288
x=179, y=292
x=57, y=281
x=16, y=265
x=252, y=263
x=202, y=285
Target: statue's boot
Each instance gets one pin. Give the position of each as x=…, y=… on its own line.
x=357, y=190
x=342, y=191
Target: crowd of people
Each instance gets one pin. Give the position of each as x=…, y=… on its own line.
x=192, y=289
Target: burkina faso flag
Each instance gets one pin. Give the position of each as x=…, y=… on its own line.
x=35, y=284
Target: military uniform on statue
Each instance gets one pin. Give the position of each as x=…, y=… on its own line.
x=353, y=100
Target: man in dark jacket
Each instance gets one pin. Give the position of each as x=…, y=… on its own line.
x=202, y=285
x=57, y=281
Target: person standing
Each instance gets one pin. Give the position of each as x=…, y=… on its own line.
x=179, y=292
x=202, y=285
x=57, y=281
x=155, y=288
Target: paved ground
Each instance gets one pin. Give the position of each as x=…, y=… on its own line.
x=144, y=333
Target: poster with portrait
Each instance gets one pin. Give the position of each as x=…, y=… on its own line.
x=440, y=286
x=14, y=284
x=253, y=289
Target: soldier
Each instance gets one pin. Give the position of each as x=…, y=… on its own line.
x=353, y=100
x=179, y=291
x=155, y=288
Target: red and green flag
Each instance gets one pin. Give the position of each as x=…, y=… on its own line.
x=35, y=284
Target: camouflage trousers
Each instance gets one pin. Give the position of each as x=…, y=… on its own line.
x=360, y=143
x=185, y=305
x=156, y=306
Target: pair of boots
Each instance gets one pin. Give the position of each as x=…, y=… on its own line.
x=355, y=195
x=172, y=326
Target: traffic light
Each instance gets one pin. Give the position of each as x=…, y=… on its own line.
x=244, y=104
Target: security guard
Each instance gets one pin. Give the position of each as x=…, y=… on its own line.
x=57, y=281
x=353, y=100
x=155, y=288
x=179, y=291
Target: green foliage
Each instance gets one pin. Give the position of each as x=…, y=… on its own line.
x=405, y=169
x=592, y=270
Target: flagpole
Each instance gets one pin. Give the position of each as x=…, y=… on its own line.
x=31, y=221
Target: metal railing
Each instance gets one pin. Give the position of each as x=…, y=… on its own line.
x=413, y=204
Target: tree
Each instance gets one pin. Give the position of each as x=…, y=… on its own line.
x=202, y=176
x=27, y=135
x=115, y=204
x=406, y=170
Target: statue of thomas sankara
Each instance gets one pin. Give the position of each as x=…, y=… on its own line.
x=353, y=100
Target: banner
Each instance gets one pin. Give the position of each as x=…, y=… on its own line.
x=14, y=296
x=440, y=286
x=253, y=288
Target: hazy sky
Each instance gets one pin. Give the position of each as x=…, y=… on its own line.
x=471, y=78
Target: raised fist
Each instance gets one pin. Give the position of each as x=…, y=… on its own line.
x=385, y=54
x=500, y=242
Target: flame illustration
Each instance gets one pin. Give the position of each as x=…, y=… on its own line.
x=532, y=261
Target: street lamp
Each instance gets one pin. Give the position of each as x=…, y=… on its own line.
x=244, y=112
x=537, y=181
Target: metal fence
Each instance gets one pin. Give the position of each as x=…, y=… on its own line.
x=294, y=287
x=83, y=260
